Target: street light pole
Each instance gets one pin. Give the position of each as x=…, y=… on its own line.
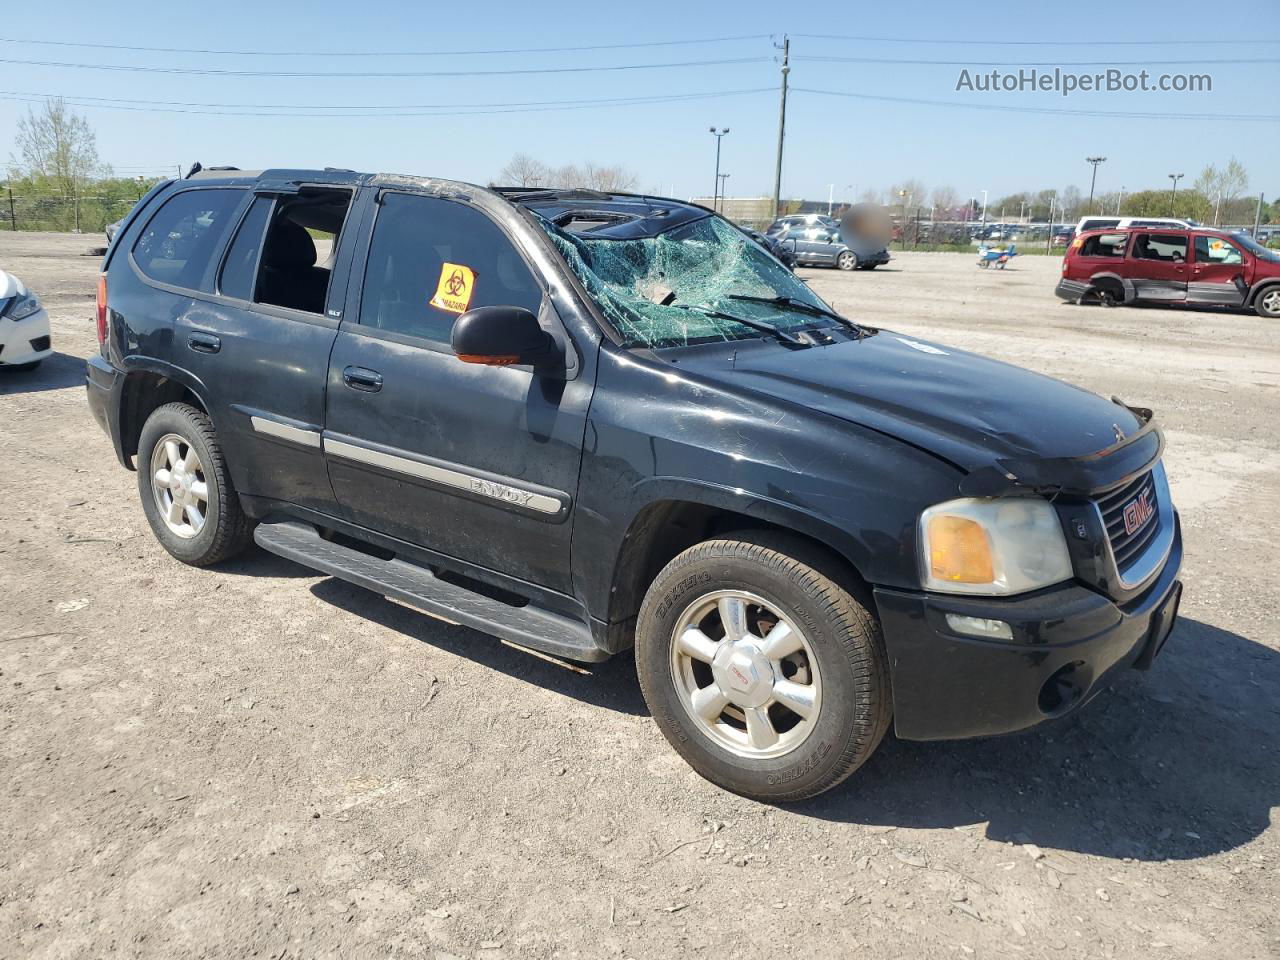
x=831, y=197
x=1120, y=202
x=984, y=211
x=715, y=193
x=1094, y=179
x=1173, y=194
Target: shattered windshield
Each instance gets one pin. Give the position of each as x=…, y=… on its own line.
x=682, y=286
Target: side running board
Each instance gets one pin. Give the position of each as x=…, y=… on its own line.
x=417, y=586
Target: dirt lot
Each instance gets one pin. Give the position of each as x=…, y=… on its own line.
x=255, y=761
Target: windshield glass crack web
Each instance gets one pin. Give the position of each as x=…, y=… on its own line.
x=654, y=289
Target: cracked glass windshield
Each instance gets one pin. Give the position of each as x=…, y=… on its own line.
x=683, y=286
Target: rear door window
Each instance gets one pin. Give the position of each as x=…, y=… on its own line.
x=1163, y=247
x=1104, y=245
x=178, y=243
x=241, y=266
x=432, y=259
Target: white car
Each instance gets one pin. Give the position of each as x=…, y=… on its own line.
x=24, y=326
x=1123, y=223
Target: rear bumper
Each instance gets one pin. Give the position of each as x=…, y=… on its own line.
x=104, y=385
x=1071, y=289
x=876, y=258
x=1069, y=643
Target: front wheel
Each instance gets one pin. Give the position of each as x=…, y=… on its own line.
x=765, y=673
x=186, y=490
x=1268, y=303
x=847, y=261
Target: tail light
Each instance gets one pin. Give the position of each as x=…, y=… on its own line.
x=102, y=308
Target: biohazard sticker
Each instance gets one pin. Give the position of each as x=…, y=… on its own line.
x=453, y=292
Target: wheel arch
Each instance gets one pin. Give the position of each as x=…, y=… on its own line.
x=145, y=389
x=664, y=528
x=1259, y=288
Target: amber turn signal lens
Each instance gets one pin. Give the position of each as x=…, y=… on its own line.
x=959, y=551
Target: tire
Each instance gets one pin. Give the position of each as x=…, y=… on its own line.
x=1108, y=293
x=847, y=260
x=840, y=668
x=1267, y=303
x=224, y=530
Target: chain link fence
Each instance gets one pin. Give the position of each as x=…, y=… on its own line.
x=61, y=214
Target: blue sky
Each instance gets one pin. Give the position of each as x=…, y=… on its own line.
x=851, y=142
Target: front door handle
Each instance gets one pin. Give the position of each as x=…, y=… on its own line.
x=362, y=378
x=204, y=343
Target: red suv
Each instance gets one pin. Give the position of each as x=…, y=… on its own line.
x=1164, y=265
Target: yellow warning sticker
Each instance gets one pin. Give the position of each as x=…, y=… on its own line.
x=453, y=292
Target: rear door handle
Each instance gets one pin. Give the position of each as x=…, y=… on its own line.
x=204, y=343
x=362, y=378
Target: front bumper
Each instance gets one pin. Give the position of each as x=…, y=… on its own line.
x=1069, y=643
x=1071, y=290
x=26, y=340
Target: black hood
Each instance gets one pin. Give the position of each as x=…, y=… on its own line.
x=984, y=416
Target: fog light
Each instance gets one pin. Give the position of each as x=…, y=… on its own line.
x=980, y=627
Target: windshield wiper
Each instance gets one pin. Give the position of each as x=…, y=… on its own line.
x=801, y=305
x=758, y=325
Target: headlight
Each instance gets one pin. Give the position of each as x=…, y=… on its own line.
x=23, y=307
x=1000, y=546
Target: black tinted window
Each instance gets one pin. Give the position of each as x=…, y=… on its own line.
x=242, y=259
x=432, y=259
x=177, y=243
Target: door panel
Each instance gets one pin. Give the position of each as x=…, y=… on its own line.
x=474, y=462
x=1218, y=272
x=1159, y=266
x=267, y=365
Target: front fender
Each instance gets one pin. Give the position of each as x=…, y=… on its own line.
x=658, y=434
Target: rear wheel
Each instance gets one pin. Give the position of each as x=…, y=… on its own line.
x=186, y=491
x=847, y=260
x=1268, y=303
x=766, y=674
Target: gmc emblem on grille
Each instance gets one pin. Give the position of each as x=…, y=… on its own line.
x=1137, y=512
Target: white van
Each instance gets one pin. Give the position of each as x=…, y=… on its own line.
x=1119, y=223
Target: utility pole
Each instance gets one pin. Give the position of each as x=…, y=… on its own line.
x=720, y=179
x=984, y=212
x=1094, y=180
x=1048, y=240
x=1120, y=202
x=715, y=193
x=782, y=125
x=831, y=197
x=1257, y=216
x=1173, y=194
x=13, y=217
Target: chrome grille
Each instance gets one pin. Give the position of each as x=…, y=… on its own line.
x=1128, y=546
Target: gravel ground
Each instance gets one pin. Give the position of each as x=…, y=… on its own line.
x=255, y=761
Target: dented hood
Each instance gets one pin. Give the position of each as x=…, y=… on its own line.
x=1000, y=423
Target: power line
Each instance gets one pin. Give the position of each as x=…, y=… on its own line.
x=1028, y=43
x=209, y=71
x=449, y=110
x=452, y=105
x=1123, y=114
x=1041, y=63
x=385, y=53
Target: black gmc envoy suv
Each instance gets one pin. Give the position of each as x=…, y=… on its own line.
x=587, y=421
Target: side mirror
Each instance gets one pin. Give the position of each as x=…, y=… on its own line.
x=501, y=337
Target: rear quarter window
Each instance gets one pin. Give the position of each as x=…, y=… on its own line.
x=178, y=243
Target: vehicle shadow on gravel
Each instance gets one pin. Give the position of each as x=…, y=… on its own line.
x=1176, y=764
x=56, y=372
x=612, y=684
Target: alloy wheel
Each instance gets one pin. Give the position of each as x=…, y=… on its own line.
x=745, y=674
x=179, y=486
